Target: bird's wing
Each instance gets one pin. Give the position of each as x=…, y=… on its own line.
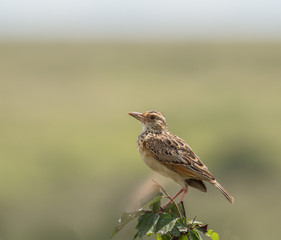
x=176, y=154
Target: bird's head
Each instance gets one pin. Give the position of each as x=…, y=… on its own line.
x=151, y=120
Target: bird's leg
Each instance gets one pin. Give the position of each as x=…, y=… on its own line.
x=185, y=190
x=173, y=198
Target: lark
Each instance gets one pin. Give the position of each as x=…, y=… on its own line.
x=171, y=156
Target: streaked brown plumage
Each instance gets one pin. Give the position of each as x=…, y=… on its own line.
x=171, y=156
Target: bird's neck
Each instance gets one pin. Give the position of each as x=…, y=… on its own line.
x=152, y=130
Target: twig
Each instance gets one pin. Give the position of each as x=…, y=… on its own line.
x=168, y=197
x=183, y=208
x=191, y=225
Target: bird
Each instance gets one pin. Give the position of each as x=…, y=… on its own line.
x=171, y=156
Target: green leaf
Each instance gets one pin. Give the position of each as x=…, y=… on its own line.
x=213, y=235
x=158, y=197
x=136, y=235
x=195, y=222
x=155, y=207
x=163, y=237
x=127, y=217
x=183, y=237
x=175, y=232
x=146, y=224
x=193, y=235
x=166, y=237
x=165, y=223
x=202, y=228
x=124, y=220
x=181, y=225
x=173, y=210
x=169, y=208
x=158, y=237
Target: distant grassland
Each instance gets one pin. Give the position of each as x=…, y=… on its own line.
x=67, y=144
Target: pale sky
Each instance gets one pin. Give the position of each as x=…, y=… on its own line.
x=140, y=19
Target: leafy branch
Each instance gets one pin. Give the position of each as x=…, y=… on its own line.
x=166, y=224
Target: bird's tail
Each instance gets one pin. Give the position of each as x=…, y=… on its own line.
x=224, y=192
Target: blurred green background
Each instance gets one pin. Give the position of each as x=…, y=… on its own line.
x=69, y=161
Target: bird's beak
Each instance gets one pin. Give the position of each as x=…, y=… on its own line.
x=137, y=115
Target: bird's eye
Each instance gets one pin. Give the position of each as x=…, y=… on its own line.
x=152, y=117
